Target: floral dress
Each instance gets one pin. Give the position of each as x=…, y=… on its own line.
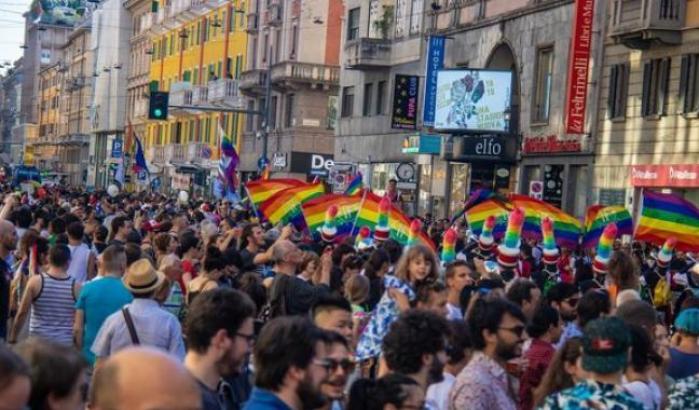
x=386, y=313
x=684, y=394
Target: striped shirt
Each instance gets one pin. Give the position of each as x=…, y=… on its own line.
x=53, y=310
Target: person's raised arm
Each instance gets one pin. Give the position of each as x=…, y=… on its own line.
x=9, y=203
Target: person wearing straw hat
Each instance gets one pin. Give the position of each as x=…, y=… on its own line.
x=142, y=322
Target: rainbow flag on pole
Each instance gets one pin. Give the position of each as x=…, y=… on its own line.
x=599, y=216
x=664, y=216
x=260, y=190
x=355, y=185
x=314, y=212
x=398, y=223
x=285, y=206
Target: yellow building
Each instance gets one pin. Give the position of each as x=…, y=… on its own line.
x=197, y=54
x=50, y=117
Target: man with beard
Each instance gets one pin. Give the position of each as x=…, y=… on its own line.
x=497, y=331
x=290, y=366
x=564, y=297
x=8, y=242
x=253, y=239
x=415, y=345
x=220, y=332
x=341, y=366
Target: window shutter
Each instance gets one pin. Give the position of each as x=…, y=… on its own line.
x=664, y=80
x=692, y=102
x=684, y=83
x=154, y=6
x=623, y=91
x=645, y=97
x=611, y=96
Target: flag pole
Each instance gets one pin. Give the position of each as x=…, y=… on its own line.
x=356, y=217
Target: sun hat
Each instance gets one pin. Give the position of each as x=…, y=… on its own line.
x=142, y=278
x=688, y=321
x=606, y=343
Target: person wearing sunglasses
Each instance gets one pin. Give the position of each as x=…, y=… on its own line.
x=340, y=367
x=564, y=297
x=497, y=332
x=220, y=334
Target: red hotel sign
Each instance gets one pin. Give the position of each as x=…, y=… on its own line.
x=665, y=176
x=579, y=66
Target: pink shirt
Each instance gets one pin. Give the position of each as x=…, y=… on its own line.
x=481, y=385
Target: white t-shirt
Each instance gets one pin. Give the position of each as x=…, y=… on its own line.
x=79, y=257
x=438, y=393
x=647, y=393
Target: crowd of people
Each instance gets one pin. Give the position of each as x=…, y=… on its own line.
x=141, y=301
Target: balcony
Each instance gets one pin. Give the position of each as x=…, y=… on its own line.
x=294, y=72
x=201, y=7
x=181, y=93
x=368, y=53
x=253, y=81
x=226, y=92
x=188, y=152
x=639, y=24
x=159, y=26
x=181, y=10
x=200, y=94
x=253, y=22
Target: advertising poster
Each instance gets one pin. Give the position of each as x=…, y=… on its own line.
x=474, y=100
x=405, y=92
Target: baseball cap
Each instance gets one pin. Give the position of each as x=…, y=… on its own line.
x=606, y=343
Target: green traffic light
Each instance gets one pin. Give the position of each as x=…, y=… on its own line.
x=158, y=112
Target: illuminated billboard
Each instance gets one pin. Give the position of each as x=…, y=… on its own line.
x=57, y=12
x=473, y=100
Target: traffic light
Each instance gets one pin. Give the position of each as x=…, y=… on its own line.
x=157, y=106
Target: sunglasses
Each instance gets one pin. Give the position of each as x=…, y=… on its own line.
x=346, y=364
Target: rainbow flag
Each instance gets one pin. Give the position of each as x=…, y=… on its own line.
x=285, y=206
x=260, y=190
x=478, y=196
x=664, y=216
x=566, y=227
x=398, y=222
x=599, y=216
x=355, y=185
x=314, y=212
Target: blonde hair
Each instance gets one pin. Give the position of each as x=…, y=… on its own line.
x=414, y=252
x=357, y=289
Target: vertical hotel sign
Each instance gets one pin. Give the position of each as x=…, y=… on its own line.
x=405, y=91
x=579, y=66
x=435, y=62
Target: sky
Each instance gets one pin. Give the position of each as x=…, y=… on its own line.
x=12, y=29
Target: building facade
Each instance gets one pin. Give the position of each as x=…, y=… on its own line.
x=50, y=117
x=74, y=103
x=291, y=78
x=530, y=39
x=10, y=113
x=648, y=121
x=198, y=53
x=111, y=32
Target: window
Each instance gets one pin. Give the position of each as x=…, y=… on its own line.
x=238, y=65
x=266, y=48
x=618, y=86
x=656, y=76
x=347, y=102
x=289, y=114
x=353, y=24
x=250, y=118
x=273, y=113
x=380, y=93
x=542, y=86
x=416, y=12
x=277, y=46
x=205, y=30
x=366, y=109
x=294, y=41
x=689, y=84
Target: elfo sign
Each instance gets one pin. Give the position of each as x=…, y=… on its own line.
x=579, y=66
x=404, y=114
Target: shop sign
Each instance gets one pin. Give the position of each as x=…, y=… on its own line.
x=279, y=160
x=579, y=66
x=684, y=175
x=311, y=164
x=435, y=62
x=422, y=144
x=404, y=114
x=480, y=148
x=550, y=144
